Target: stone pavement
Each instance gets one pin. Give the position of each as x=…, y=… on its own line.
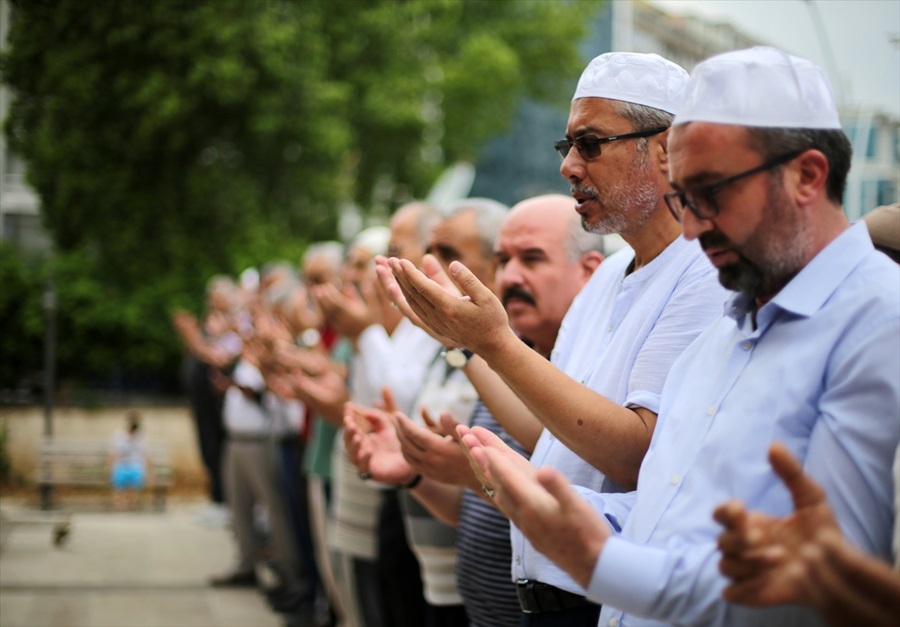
x=120, y=569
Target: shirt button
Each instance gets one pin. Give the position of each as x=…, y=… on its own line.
x=747, y=345
x=711, y=410
x=611, y=327
x=613, y=621
x=518, y=560
x=675, y=480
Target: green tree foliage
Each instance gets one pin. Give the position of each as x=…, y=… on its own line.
x=171, y=139
x=21, y=317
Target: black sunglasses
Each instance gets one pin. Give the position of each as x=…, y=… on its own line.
x=702, y=200
x=588, y=146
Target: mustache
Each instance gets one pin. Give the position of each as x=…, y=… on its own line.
x=514, y=291
x=583, y=190
x=714, y=239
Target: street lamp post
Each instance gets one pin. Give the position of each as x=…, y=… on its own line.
x=49, y=303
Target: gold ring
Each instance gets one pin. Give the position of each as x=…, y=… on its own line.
x=488, y=491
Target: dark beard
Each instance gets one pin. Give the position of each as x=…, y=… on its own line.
x=758, y=280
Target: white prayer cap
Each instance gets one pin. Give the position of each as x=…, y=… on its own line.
x=644, y=79
x=760, y=86
x=373, y=239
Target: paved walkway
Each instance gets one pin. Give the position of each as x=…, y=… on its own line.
x=122, y=569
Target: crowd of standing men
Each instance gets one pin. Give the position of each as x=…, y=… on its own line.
x=671, y=398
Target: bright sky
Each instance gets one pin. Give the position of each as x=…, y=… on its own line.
x=864, y=36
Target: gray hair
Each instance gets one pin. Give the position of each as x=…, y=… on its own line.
x=426, y=220
x=284, y=270
x=580, y=241
x=280, y=294
x=332, y=252
x=643, y=118
x=221, y=283
x=489, y=217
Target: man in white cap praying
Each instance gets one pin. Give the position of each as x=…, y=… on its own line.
x=594, y=404
x=807, y=354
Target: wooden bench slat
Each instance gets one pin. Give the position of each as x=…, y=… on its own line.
x=84, y=463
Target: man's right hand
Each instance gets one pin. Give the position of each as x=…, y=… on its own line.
x=476, y=320
x=372, y=445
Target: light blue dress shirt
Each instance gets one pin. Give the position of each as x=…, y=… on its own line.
x=619, y=338
x=821, y=374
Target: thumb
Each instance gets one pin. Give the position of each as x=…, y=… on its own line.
x=376, y=421
x=559, y=488
x=449, y=425
x=390, y=403
x=469, y=284
x=429, y=421
x=804, y=491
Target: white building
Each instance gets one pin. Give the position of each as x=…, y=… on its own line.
x=20, y=219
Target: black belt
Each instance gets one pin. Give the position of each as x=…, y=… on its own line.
x=536, y=597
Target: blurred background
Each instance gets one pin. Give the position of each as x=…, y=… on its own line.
x=149, y=145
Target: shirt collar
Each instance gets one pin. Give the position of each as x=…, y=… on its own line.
x=816, y=282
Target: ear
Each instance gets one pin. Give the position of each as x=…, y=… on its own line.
x=810, y=175
x=660, y=151
x=589, y=262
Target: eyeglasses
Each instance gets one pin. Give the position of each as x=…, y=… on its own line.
x=702, y=200
x=588, y=146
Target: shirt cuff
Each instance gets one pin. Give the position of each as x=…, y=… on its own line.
x=647, y=400
x=627, y=576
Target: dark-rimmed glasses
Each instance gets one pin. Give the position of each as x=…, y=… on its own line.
x=588, y=146
x=702, y=200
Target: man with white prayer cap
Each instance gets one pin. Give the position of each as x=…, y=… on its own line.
x=807, y=354
x=595, y=403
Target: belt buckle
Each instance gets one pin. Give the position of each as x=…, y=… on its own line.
x=527, y=600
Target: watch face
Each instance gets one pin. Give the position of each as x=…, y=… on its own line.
x=310, y=338
x=456, y=358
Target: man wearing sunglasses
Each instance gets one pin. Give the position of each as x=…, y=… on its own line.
x=807, y=354
x=598, y=399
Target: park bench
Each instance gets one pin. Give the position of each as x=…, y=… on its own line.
x=83, y=463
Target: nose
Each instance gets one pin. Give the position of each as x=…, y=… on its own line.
x=510, y=274
x=692, y=226
x=572, y=167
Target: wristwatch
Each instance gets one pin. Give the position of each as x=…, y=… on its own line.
x=457, y=357
x=310, y=338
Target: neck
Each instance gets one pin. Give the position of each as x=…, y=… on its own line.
x=831, y=223
x=652, y=237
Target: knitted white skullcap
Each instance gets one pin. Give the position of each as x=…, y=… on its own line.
x=760, y=86
x=644, y=79
x=373, y=239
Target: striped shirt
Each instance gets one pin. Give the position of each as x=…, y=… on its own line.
x=484, y=552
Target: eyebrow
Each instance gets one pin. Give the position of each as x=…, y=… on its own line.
x=586, y=130
x=699, y=179
x=445, y=250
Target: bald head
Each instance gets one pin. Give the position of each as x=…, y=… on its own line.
x=562, y=208
x=538, y=269
x=411, y=226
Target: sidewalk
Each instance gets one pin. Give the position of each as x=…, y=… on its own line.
x=122, y=569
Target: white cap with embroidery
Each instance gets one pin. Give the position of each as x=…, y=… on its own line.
x=760, y=86
x=644, y=79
